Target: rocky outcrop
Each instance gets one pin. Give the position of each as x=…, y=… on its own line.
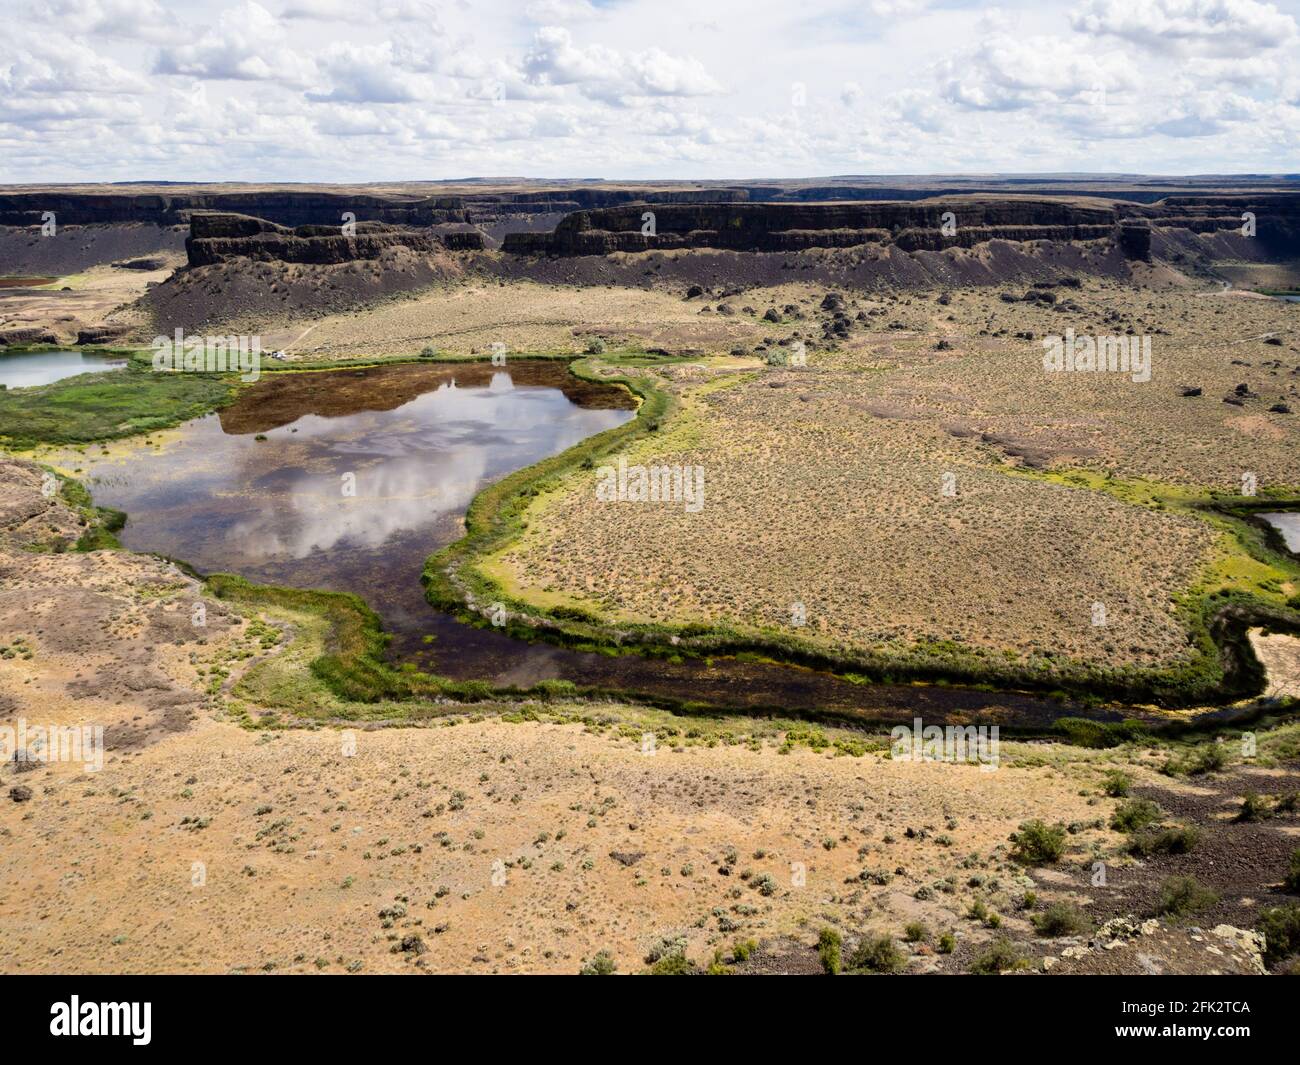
x=288, y=208
x=797, y=226
x=103, y=333
x=910, y=225
x=1126, y=946
x=216, y=238
x=27, y=334
x=1135, y=239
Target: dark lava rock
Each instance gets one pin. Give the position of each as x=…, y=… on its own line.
x=1189, y=390
x=772, y=315
x=1279, y=408
x=1243, y=390
x=628, y=858
x=693, y=291
x=832, y=301
x=21, y=793
x=1276, y=341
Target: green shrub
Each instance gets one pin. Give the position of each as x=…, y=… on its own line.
x=829, y=944
x=877, y=954
x=1177, y=839
x=916, y=932
x=1084, y=732
x=1208, y=758
x=1181, y=895
x=1254, y=808
x=665, y=948
x=1037, y=843
x=947, y=943
x=742, y=949
x=1292, y=881
x=998, y=957
x=601, y=965
x=1116, y=784
x=1280, y=926
x=672, y=965
x=1061, y=919
x=1133, y=814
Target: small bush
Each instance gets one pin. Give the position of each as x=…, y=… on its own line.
x=1292, y=881
x=601, y=965
x=666, y=947
x=916, y=932
x=742, y=949
x=1061, y=919
x=1084, y=732
x=1254, y=808
x=998, y=957
x=1208, y=758
x=947, y=943
x=829, y=946
x=877, y=954
x=1116, y=784
x=672, y=965
x=1178, y=839
x=1181, y=895
x=1134, y=814
x=1038, y=843
x=1281, y=929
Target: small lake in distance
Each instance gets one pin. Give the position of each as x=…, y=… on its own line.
x=27, y=369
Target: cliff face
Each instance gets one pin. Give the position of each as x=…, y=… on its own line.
x=215, y=238
x=286, y=208
x=796, y=226
x=912, y=226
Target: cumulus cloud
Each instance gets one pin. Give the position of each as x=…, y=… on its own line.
x=137, y=20
x=352, y=11
x=1005, y=73
x=247, y=44
x=550, y=12
x=41, y=65
x=603, y=73
x=368, y=74
x=1211, y=27
x=387, y=89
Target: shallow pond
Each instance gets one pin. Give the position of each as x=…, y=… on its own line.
x=1288, y=524
x=262, y=488
x=26, y=369
x=347, y=480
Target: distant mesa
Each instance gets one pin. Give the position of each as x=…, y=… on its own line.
x=218, y=237
x=909, y=226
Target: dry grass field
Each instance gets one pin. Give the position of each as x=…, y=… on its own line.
x=905, y=485
x=469, y=316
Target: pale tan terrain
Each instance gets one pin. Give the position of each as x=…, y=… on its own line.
x=100, y=295
x=96, y=858
x=470, y=316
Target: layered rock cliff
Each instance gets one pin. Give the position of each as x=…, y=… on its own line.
x=929, y=225
x=216, y=238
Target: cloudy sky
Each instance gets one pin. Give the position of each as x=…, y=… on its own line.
x=353, y=90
